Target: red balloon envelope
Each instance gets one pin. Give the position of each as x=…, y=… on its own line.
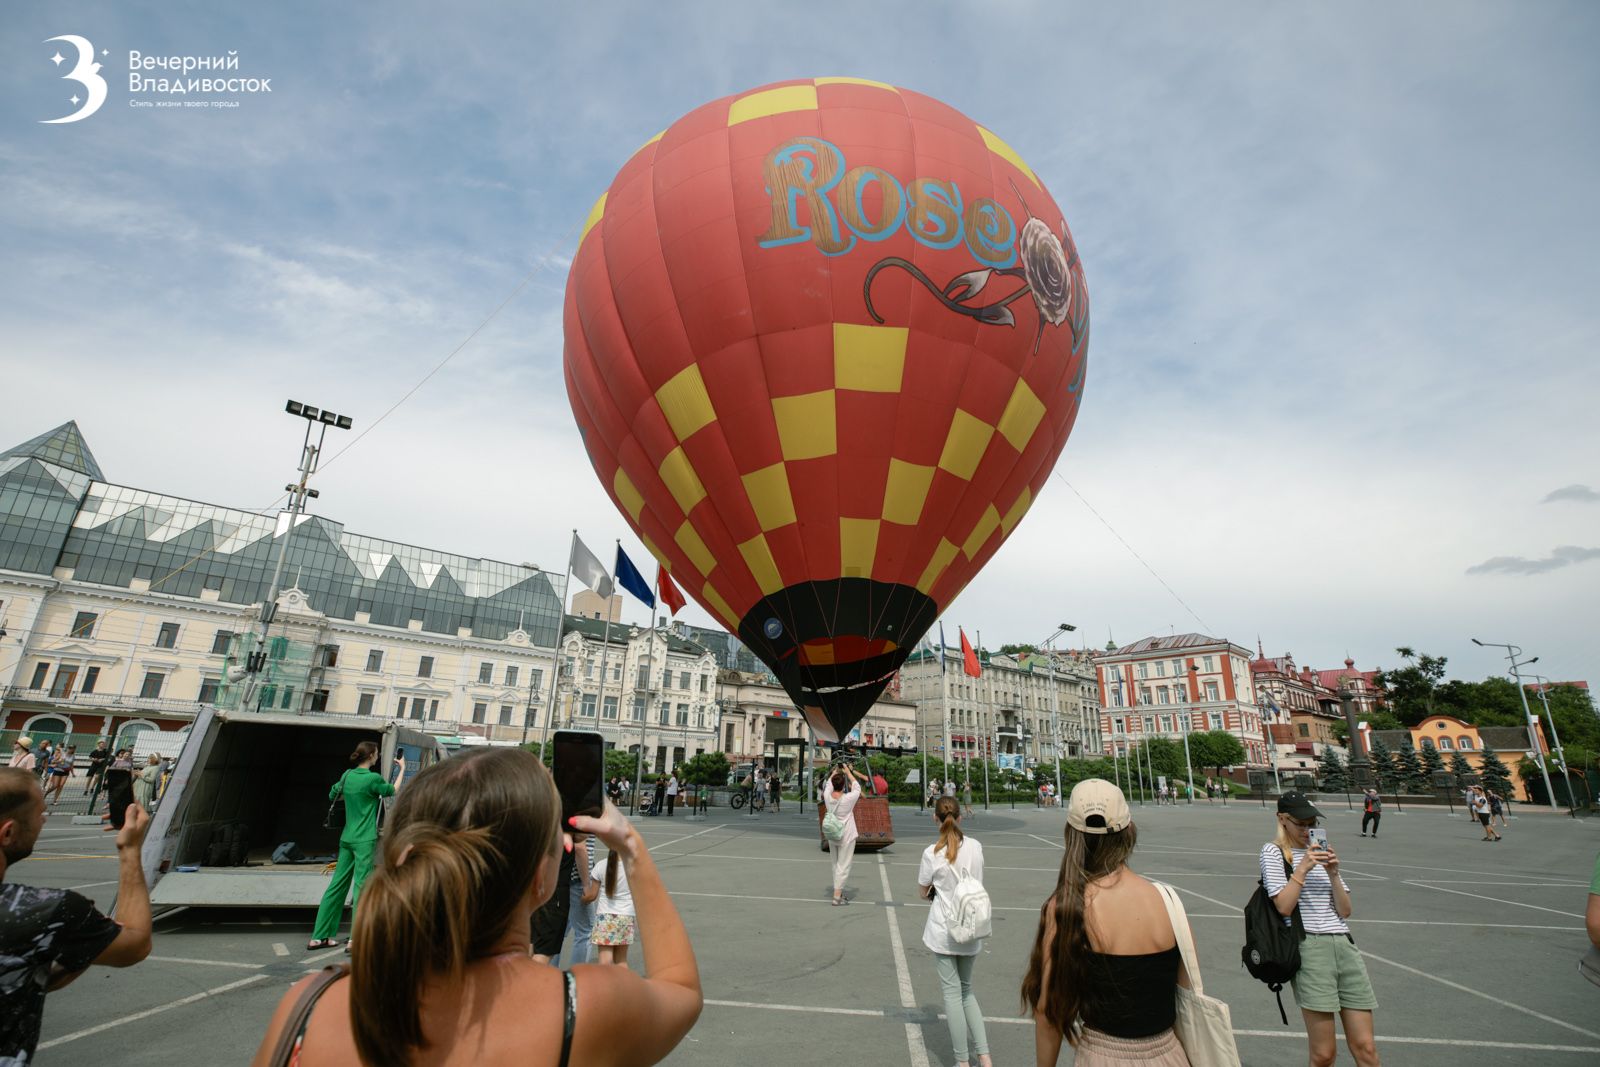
x=824, y=342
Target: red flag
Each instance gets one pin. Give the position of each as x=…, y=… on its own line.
x=969, y=658
x=671, y=595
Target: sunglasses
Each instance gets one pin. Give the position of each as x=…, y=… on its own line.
x=1311, y=825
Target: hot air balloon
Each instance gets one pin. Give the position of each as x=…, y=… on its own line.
x=824, y=341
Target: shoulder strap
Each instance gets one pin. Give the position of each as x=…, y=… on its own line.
x=294, y=1027
x=1180, y=929
x=569, y=1013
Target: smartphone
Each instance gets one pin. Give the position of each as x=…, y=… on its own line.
x=1319, y=837
x=578, y=763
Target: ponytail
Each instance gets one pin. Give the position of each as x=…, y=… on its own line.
x=950, y=835
x=447, y=886
x=611, y=874
x=364, y=751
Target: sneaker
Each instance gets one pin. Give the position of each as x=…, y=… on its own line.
x=1363, y=835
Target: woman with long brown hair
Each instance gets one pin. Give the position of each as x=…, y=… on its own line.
x=945, y=864
x=1106, y=964
x=441, y=974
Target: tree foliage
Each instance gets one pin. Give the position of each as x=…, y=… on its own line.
x=1432, y=763
x=1382, y=763
x=1215, y=749
x=1017, y=649
x=1408, y=768
x=1494, y=773
x=1460, y=766
x=1409, y=690
x=1331, y=770
x=706, y=768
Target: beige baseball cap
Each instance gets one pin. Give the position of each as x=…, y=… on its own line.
x=1097, y=807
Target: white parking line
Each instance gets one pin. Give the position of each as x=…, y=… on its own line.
x=1497, y=900
x=875, y=1013
x=136, y=1016
x=902, y=971
x=91, y=885
x=675, y=840
x=279, y=948
x=1435, y=978
x=206, y=963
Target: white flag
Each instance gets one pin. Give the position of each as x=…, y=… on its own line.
x=589, y=570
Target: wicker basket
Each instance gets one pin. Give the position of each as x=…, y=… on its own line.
x=874, y=827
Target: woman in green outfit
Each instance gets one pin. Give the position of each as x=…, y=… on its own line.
x=361, y=787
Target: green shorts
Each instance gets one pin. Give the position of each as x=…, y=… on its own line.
x=1332, y=976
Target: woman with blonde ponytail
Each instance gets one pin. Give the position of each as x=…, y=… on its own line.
x=945, y=864
x=441, y=972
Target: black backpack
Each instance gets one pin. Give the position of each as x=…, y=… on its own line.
x=1271, y=950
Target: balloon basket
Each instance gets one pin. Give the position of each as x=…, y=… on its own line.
x=874, y=825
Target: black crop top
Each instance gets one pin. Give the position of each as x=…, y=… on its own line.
x=1133, y=996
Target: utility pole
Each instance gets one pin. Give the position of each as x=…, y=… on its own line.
x=1512, y=652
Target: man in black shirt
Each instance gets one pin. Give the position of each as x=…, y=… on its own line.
x=50, y=936
x=97, y=766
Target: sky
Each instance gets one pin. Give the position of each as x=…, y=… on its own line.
x=1341, y=393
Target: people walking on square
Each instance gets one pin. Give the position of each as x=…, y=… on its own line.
x=119, y=788
x=966, y=795
x=950, y=787
x=661, y=795
x=1106, y=964
x=1332, y=979
x=953, y=859
x=1371, y=811
x=441, y=970
x=840, y=795
x=50, y=936
x=147, y=783
x=97, y=767
x=774, y=790
x=672, y=792
x=361, y=788
x=1480, y=808
x=614, y=926
x=60, y=770
x=43, y=758
x=1497, y=808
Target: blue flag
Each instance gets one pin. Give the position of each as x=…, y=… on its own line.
x=629, y=578
x=941, y=646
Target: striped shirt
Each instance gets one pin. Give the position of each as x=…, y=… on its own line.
x=1317, y=912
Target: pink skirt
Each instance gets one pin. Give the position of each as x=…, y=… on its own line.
x=1102, y=1050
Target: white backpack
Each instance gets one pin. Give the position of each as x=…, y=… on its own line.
x=967, y=910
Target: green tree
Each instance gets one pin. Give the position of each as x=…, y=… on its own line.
x=1162, y=753
x=1408, y=768
x=1215, y=749
x=1331, y=770
x=620, y=763
x=706, y=768
x=1409, y=690
x=1460, y=766
x=1494, y=773
x=1012, y=650
x=1432, y=763
x=1378, y=720
x=1382, y=763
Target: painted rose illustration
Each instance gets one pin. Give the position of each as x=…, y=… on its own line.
x=1047, y=274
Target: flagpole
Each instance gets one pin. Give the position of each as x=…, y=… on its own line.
x=944, y=701
x=555, y=651
x=605, y=662
x=988, y=725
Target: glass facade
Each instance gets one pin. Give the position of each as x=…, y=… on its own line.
x=56, y=510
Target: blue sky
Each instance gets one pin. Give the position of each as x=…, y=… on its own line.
x=1340, y=259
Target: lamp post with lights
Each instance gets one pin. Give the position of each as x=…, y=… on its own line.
x=299, y=493
x=1512, y=652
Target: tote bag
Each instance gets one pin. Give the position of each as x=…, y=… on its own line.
x=1204, y=1025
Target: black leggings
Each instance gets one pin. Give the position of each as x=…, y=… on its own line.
x=1373, y=817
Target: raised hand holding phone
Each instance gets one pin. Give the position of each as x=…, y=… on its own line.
x=578, y=764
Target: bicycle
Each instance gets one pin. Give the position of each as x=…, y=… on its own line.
x=743, y=796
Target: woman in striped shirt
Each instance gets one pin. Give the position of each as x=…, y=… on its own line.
x=1332, y=976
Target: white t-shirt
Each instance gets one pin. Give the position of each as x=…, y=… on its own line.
x=844, y=806
x=672, y=786
x=941, y=874
x=619, y=904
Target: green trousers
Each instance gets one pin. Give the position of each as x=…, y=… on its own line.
x=355, y=863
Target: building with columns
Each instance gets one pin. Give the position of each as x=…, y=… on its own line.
x=1158, y=685
x=124, y=609
x=633, y=682
x=1011, y=709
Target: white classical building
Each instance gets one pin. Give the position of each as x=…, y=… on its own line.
x=1039, y=705
x=755, y=714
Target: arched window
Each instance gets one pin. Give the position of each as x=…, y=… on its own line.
x=1444, y=744
x=1427, y=742
x=42, y=726
x=1465, y=744
x=128, y=733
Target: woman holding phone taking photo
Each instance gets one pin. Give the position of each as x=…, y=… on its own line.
x=1301, y=871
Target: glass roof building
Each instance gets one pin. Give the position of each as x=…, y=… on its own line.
x=58, y=511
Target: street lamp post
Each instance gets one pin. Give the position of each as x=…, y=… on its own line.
x=1512, y=652
x=1555, y=739
x=1055, y=700
x=1188, y=725
x=298, y=494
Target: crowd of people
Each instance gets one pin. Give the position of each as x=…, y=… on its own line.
x=123, y=779
x=470, y=896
